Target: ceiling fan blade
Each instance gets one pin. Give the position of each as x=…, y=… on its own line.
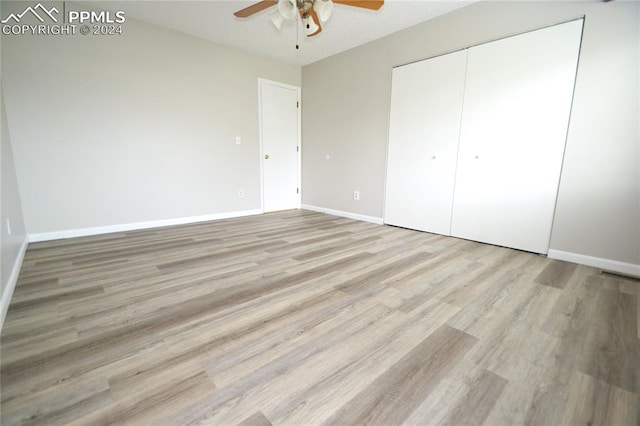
x=316, y=19
x=255, y=8
x=366, y=4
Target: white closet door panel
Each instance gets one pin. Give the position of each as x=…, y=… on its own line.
x=516, y=111
x=426, y=106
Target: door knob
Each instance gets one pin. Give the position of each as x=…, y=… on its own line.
x=433, y=157
x=266, y=156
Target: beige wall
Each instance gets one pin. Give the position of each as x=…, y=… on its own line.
x=11, y=245
x=346, y=113
x=112, y=130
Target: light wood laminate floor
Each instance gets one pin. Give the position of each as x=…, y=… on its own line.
x=300, y=318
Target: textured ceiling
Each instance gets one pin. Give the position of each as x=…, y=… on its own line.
x=348, y=27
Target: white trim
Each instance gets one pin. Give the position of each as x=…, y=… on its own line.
x=298, y=90
x=597, y=262
x=72, y=233
x=13, y=280
x=372, y=219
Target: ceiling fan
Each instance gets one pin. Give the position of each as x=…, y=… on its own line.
x=312, y=12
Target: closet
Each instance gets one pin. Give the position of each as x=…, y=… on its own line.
x=476, y=138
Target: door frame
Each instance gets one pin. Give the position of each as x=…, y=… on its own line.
x=261, y=82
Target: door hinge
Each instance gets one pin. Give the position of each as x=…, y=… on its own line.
x=297, y=104
x=297, y=190
x=297, y=149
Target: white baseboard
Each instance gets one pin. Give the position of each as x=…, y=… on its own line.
x=72, y=233
x=372, y=219
x=597, y=262
x=13, y=280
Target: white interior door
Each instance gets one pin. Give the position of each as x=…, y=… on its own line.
x=426, y=107
x=280, y=137
x=516, y=110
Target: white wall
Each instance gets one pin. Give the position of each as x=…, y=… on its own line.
x=12, y=245
x=114, y=130
x=346, y=102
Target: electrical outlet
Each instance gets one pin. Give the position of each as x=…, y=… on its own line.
x=356, y=195
x=241, y=193
x=8, y=227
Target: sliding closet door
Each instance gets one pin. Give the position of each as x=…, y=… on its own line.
x=516, y=110
x=426, y=105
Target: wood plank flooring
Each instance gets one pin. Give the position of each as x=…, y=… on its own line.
x=301, y=318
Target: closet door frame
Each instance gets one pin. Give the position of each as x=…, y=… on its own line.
x=409, y=205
